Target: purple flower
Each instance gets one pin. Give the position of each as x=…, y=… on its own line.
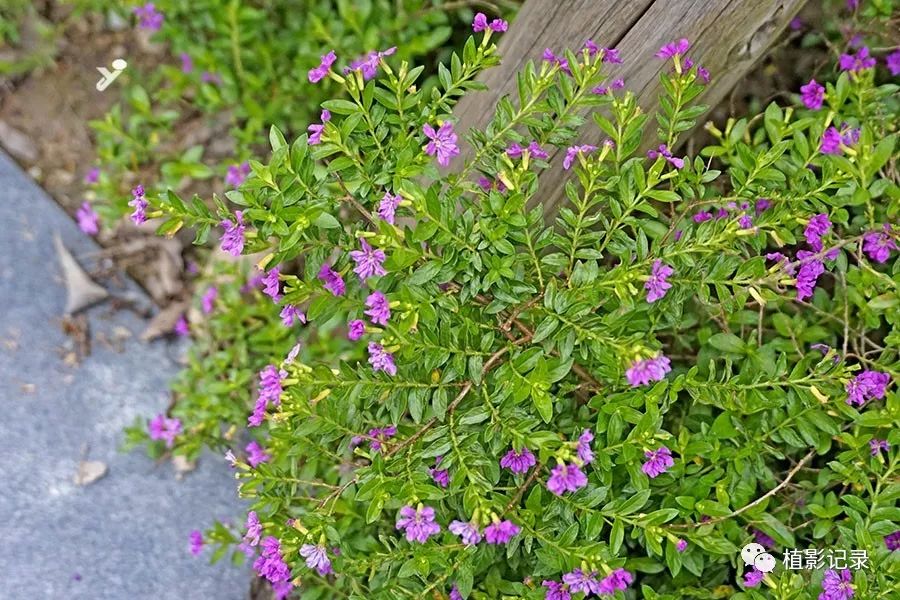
x=556, y=591
x=270, y=390
x=857, y=63
x=703, y=74
x=658, y=462
x=584, y=447
x=139, y=202
x=561, y=62
x=877, y=446
x=573, y=151
x=566, y=478
x=388, y=207
x=454, y=593
x=291, y=313
x=500, y=532
x=579, y=581
x=162, y=428
x=316, y=558
x=745, y=222
x=868, y=385
x=379, y=308
x=831, y=141
x=818, y=226
x=702, y=216
x=762, y=539
x=753, y=578
x=209, y=299
x=796, y=24
x=892, y=541
x=681, y=545
x=207, y=77
x=150, y=18
x=331, y=280
x=762, y=205
x=418, y=523
x=441, y=477
x=92, y=175
x=536, y=151
x=315, y=130
x=514, y=150
x=611, y=56
x=518, y=462
x=467, y=532
x=271, y=564
x=233, y=236
x=381, y=360
x=254, y=529
x=812, y=94
x=646, y=370
x=196, y=540
x=292, y=354
x=837, y=586
x=480, y=23
x=88, y=219
x=256, y=454
x=487, y=185
x=381, y=435
x=673, y=49
x=663, y=151
x=187, y=65
x=892, y=61
x=237, y=174
x=657, y=286
x=618, y=580
x=319, y=73
x=878, y=244
x=368, y=261
x=182, y=328
x=355, y=329
x=442, y=144
x=272, y=284
x=282, y=589
x=369, y=63
x=810, y=270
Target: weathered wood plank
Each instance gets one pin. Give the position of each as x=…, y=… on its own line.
x=727, y=37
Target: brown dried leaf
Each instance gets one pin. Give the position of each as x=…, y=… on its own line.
x=89, y=471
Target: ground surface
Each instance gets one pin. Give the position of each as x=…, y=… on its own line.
x=125, y=535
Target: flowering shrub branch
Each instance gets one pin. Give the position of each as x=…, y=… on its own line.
x=502, y=398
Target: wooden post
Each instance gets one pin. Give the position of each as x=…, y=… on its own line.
x=727, y=37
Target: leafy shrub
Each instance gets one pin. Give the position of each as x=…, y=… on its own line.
x=696, y=353
x=246, y=63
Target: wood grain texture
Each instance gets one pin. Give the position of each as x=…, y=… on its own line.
x=727, y=37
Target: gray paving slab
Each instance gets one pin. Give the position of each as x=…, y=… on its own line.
x=124, y=536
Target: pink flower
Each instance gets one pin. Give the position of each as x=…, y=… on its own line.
x=468, y=532
x=387, y=208
x=187, y=65
x=379, y=308
x=879, y=244
x=256, y=454
x=150, y=18
x=418, y=523
x=163, y=428
x=209, y=299
x=356, y=329
x=665, y=153
x=381, y=359
x=368, y=261
x=518, y=462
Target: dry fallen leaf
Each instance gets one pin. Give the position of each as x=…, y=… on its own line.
x=164, y=321
x=89, y=471
x=182, y=466
x=82, y=291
